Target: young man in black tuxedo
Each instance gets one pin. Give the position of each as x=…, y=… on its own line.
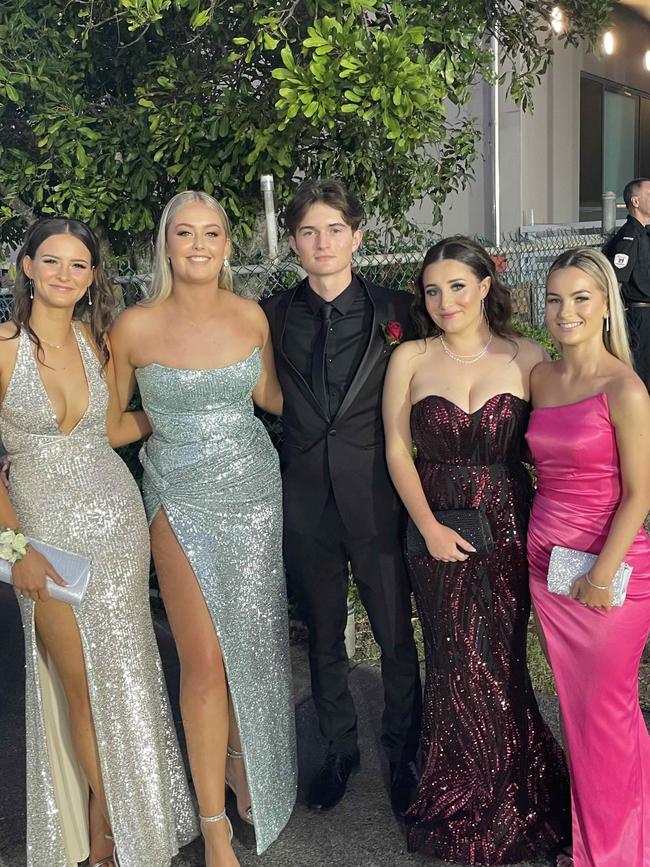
x=340, y=506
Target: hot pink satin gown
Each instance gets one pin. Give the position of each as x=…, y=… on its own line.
x=594, y=654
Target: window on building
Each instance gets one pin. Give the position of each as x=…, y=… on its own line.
x=614, y=141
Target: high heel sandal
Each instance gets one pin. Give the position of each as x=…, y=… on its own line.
x=217, y=818
x=247, y=815
x=565, y=854
x=111, y=860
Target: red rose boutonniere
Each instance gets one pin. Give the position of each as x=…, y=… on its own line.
x=392, y=331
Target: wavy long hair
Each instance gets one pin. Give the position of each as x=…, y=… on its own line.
x=162, y=276
x=98, y=315
x=498, y=303
x=596, y=265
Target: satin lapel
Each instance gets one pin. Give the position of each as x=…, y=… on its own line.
x=371, y=356
x=302, y=382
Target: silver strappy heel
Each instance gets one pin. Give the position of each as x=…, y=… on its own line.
x=218, y=818
x=247, y=815
x=111, y=860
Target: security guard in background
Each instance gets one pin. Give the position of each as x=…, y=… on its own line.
x=629, y=252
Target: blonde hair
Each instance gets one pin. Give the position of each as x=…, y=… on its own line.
x=162, y=277
x=596, y=265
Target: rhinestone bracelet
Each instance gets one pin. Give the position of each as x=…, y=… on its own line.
x=597, y=586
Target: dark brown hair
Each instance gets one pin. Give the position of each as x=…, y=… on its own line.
x=498, y=305
x=99, y=315
x=633, y=188
x=330, y=192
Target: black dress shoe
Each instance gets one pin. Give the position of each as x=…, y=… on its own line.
x=403, y=783
x=328, y=786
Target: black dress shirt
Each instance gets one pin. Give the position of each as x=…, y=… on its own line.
x=347, y=341
x=629, y=253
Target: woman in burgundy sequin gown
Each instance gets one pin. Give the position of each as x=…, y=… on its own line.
x=494, y=786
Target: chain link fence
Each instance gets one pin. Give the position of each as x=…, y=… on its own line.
x=522, y=260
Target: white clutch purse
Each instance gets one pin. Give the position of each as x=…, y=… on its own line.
x=73, y=568
x=566, y=565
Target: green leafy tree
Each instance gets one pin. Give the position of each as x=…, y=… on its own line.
x=108, y=108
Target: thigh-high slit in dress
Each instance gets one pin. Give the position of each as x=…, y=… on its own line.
x=73, y=491
x=212, y=468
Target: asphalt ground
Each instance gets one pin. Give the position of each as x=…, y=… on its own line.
x=360, y=831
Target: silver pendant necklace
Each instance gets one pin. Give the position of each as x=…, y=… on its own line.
x=54, y=345
x=465, y=359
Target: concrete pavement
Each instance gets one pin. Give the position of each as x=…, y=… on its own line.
x=360, y=832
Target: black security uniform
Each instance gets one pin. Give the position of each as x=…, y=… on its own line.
x=340, y=506
x=629, y=252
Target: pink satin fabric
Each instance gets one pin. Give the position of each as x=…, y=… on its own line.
x=594, y=655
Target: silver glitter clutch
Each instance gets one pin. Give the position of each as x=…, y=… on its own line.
x=566, y=565
x=73, y=568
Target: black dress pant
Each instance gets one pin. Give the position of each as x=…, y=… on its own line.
x=317, y=567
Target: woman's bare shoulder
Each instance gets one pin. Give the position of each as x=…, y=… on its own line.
x=542, y=376
x=8, y=349
x=627, y=394
x=530, y=351
x=132, y=320
x=8, y=341
x=8, y=332
x=410, y=351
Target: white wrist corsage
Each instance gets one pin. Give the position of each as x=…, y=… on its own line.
x=13, y=545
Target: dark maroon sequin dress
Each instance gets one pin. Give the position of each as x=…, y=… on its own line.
x=494, y=786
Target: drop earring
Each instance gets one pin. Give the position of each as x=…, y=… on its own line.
x=226, y=262
x=484, y=312
x=90, y=298
x=607, y=324
x=31, y=289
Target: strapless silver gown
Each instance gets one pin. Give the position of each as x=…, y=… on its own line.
x=74, y=491
x=211, y=466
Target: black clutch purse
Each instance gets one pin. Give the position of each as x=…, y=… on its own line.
x=471, y=524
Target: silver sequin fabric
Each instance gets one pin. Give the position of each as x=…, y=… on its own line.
x=75, y=492
x=212, y=467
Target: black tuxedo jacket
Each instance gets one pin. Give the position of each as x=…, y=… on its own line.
x=345, y=453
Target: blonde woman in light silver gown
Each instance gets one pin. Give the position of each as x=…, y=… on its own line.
x=96, y=706
x=201, y=356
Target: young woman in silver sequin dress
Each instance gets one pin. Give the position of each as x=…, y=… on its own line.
x=201, y=355
x=96, y=706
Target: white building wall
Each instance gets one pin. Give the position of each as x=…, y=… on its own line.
x=540, y=152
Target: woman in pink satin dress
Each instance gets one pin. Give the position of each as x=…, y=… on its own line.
x=589, y=435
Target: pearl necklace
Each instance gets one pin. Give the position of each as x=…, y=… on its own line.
x=466, y=359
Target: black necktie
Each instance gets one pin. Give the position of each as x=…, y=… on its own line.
x=319, y=359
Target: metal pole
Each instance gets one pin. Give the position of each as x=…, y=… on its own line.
x=267, y=186
x=609, y=213
x=496, y=169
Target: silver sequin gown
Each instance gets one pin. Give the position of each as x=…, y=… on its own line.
x=211, y=466
x=74, y=491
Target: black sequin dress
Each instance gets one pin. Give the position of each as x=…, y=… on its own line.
x=494, y=786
